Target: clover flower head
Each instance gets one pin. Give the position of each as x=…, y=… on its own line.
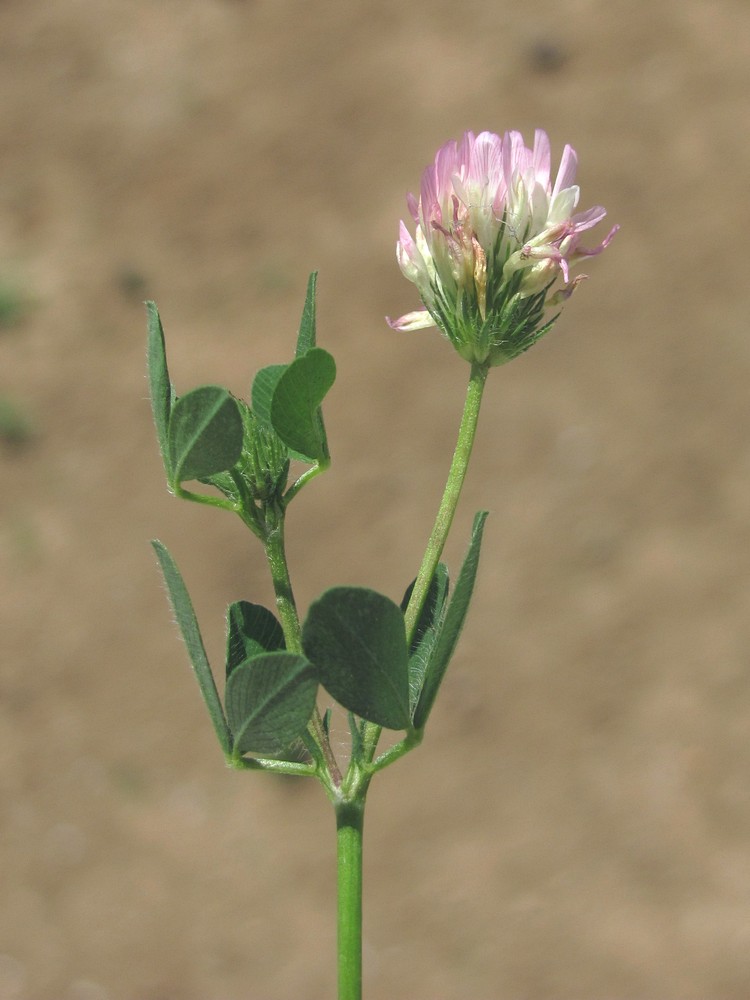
x=493, y=234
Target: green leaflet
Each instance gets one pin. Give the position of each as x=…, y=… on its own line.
x=355, y=639
x=251, y=630
x=306, y=335
x=205, y=433
x=287, y=398
x=188, y=625
x=427, y=630
x=295, y=406
x=444, y=644
x=270, y=699
x=264, y=386
x=160, y=387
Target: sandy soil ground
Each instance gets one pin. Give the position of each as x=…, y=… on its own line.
x=576, y=826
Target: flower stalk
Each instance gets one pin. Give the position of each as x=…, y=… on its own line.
x=449, y=502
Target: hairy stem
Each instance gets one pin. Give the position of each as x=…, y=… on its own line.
x=454, y=484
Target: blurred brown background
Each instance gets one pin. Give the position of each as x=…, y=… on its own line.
x=575, y=826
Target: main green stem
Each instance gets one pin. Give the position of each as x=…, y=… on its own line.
x=349, y=824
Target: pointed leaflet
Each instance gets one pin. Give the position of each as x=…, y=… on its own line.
x=270, y=699
x=427, y=629
x=251, y=630
x=160, y=388
x=450, y=630
x=188, y=625
x=205, y=433
x=356, y=642
x=267, y=378
x=306, y=335
x=295, y=407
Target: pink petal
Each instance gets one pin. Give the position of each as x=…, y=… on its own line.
x=602, y=246
x=464, y=152
x=541, y=158
x=420, y=319
x=567, y=171
x=428, y=197
x=588, y=219
x=512, y=143
x=406, y=242
x=413, y=205
x=409, y=258
x=486, y=160
x=446, y=165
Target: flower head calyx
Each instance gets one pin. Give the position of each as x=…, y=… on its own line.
x=493, y=234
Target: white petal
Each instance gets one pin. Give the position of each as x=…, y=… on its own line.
x=420, y=319
x=562, y=205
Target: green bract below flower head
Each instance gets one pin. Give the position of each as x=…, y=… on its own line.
x=493, y=235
